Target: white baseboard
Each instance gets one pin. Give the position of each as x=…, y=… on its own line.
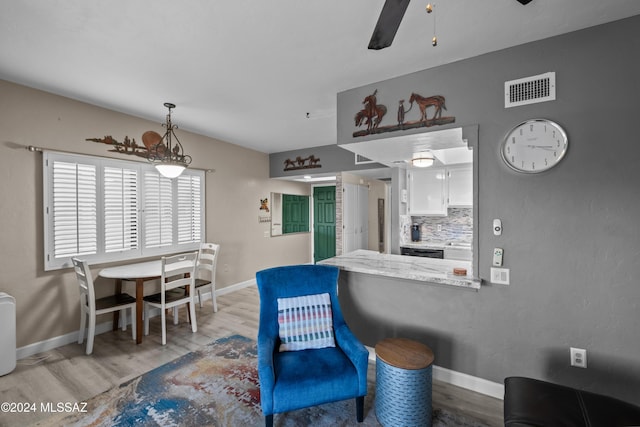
x=476, y=384
x=235, y=287
x=59, y=341
x=71, y=337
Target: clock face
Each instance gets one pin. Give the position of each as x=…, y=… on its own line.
x=534, y=146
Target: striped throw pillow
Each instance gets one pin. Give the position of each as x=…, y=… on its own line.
x=305, y=322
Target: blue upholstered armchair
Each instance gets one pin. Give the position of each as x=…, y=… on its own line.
x=295, y=304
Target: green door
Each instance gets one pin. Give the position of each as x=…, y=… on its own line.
x=295, y=214
x=324, y=228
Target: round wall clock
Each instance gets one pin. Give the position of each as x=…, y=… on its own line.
x=534, y=146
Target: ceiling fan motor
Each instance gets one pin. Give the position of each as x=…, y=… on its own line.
x=389, y=21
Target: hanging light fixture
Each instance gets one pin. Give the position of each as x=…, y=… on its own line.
x=167, y=156
x=422, y=159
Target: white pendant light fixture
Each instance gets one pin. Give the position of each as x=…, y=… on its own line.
x=170, y=170
x=169, y=158
x=422, y=159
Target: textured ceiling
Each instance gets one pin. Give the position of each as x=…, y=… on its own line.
x=248, y=72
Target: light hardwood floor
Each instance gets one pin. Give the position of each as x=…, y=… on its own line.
x=67, y=374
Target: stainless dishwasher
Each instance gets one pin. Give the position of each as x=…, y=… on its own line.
x=423, y=252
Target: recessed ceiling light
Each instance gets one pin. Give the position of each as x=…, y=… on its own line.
x=309, y=178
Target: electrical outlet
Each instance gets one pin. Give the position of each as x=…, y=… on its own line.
x=578, y=357
x=500, y=276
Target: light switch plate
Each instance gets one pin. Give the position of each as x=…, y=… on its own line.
x=500, y=276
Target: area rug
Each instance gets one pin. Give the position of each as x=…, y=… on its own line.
x=216, y=386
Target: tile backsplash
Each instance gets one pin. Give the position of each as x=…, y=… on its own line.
x=457, y=226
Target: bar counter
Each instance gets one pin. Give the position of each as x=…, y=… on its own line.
x=427, y=270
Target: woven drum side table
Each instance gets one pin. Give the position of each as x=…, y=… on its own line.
x=403, y=383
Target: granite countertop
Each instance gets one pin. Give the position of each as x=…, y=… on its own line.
x=428, y=270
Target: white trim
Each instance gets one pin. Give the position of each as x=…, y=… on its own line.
x=372, y=353
x=236, y=287
x=71, y=337
x=476, y=384
x=59, y=341
x=230, y=289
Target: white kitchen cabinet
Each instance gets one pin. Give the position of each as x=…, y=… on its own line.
x=355, y=217
x=460, y=182
x=433, y=190
x=427, y=191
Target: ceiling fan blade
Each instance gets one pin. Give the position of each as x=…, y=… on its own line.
x=388, y=23
x=524, y=2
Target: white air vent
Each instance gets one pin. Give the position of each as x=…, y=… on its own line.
x=361, y=160
x=530, y=90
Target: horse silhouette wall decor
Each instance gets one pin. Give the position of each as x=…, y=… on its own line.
x=429, y=113
x=302, y=163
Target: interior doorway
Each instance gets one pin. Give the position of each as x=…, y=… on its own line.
x=324, y=222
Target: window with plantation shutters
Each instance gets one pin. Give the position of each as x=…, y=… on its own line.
x=74, y=209
x=158, y=210
x=105, y=210
x=189, y=212
x=121, y=222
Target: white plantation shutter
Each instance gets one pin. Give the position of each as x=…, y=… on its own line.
x=158, y=210
x=106, y=210
x=74, y=209
x=189, y=208
x=121, y=223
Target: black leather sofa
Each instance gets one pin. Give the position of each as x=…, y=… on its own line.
x=529, y=402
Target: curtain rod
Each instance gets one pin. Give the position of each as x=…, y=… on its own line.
x=34, y=149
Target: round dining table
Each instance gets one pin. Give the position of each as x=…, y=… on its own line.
x=139, y=273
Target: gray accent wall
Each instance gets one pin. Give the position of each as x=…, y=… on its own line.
x=571, y=235
x=333, y=159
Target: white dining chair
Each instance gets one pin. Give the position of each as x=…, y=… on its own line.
x=90, y=307
x=206, y=274
x=178, y=271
